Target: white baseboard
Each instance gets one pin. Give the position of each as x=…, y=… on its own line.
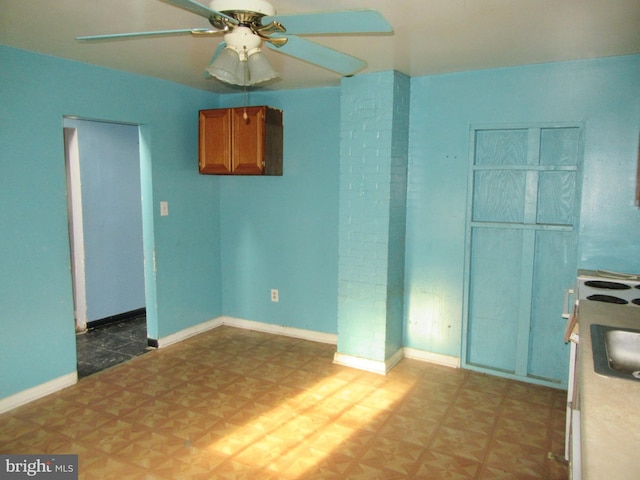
x=446, y=360
x=374, y=366
x=189, y=332
x=280, y=330
x=339, y=358
x=247, y=325
x=39, y=391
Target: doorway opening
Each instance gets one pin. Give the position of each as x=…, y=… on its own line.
x=106, y=177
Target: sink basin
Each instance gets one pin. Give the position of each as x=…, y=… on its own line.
x=616, y=351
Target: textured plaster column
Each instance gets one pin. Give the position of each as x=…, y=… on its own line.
x=372, y=212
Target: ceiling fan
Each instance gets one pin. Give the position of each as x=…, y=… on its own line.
x=247, y=24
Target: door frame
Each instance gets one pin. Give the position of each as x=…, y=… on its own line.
x=76, y=227
x=76, y=233
x=523, y=337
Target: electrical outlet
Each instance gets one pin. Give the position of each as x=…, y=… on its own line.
x=274, y=295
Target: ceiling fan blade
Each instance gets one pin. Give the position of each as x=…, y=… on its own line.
x=320, y=55
x=114, y=36
x=201, y=10
x=352, y=21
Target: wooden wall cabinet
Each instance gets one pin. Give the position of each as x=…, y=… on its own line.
x=240, y=141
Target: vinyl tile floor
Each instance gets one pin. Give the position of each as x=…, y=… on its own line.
x=105, y=346
x=239, y=404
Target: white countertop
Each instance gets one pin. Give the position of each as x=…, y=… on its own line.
x=610, y=407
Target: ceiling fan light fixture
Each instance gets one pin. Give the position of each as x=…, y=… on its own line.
x=260, y=69
x=243, y=75
x=225, y=67
x=242, y=62
x=241, y=68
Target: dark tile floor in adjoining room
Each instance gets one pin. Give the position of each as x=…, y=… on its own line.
x=239, y=404
x=108, y=345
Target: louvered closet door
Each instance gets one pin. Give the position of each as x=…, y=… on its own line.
x=522, y=241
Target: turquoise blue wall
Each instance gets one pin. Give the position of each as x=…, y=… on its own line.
x=282, y=232
x=229, y=240
x=37, y=341
x=603, y=93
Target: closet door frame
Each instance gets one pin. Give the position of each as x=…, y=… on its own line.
x=529, y=228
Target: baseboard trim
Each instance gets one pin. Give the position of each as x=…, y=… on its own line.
x=39, y=391
x=311, y=335
x=188, y=332
x=120, y=317
x=438, y=358
x=314, y=336
x=374, y=366
x=246, y=325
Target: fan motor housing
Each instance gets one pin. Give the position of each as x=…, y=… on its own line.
x=259, y=8
x=243, y=41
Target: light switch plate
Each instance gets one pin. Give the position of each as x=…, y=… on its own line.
x=164, y=209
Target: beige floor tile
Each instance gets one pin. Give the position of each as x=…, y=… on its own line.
x=460, y=443
x=438, y=465
x=236, y=404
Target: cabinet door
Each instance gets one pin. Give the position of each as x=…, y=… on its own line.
x=215, y=141
x=248, y=127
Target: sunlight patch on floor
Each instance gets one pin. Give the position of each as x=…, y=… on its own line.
x=300, y=432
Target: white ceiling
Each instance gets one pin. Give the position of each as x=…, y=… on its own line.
x=430, y=36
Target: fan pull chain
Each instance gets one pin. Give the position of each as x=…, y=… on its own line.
x=246, y=100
